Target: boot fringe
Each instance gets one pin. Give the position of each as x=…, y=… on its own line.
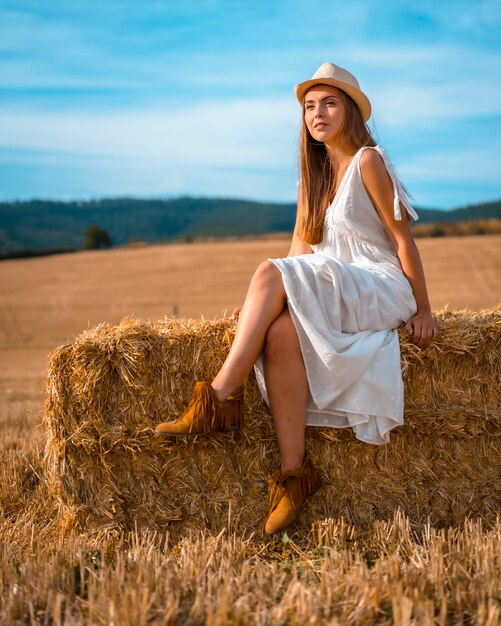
x=228, y=414
x=225, y=415
x=298, y=484
x=205, y=413
x=203, y=402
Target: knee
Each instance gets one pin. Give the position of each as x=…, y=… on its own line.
x=266, y=272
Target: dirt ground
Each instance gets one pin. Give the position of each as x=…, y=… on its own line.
x=47, y=301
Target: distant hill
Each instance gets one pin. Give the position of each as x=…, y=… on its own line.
x=41, y=224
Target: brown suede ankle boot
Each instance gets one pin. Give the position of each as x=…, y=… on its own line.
x=288, y=491
x=205, y=413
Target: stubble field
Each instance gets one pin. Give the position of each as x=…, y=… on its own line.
x=390, y=574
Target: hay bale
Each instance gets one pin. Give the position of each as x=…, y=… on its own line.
x=108, y=388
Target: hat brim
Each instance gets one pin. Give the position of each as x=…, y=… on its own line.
x=361, y=100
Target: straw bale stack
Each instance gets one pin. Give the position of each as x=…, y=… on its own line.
x=108, y=389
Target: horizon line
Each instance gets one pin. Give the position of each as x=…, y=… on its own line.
x=174, y=197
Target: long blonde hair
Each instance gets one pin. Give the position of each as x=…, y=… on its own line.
x=318, y=178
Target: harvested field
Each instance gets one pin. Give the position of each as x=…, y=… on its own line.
x=47, y=301
x=387, y=575
x=64, y=562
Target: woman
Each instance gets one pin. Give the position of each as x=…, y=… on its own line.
x=320, y=325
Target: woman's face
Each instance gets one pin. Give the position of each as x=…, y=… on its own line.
x=324, y=113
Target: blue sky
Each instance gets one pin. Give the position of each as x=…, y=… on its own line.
x=161, y=98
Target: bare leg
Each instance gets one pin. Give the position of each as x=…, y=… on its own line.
x=264, y=302
x=287, y=388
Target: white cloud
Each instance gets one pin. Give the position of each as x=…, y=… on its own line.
x=228, y=133
x=429, y=106
x=186, y=134
x=421, y=86
x=456, y=165
x=52, y=53
x=472, y=17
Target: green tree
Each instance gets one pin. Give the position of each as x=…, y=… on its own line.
x=96, y=238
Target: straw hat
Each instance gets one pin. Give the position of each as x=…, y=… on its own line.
x=330, y=74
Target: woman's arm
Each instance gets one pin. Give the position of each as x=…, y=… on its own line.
x=298, y=246
x=378, y=183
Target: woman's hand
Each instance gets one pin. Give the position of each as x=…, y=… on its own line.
x=423, y=327
x=236, y=313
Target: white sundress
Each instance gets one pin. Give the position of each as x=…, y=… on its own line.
x=346, y=301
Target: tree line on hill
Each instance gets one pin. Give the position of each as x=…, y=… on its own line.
x=39, y=226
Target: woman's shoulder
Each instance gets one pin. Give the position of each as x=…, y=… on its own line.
x=380, y=179
x=372, y=163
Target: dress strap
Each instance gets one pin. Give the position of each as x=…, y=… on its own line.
x=399, y=193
